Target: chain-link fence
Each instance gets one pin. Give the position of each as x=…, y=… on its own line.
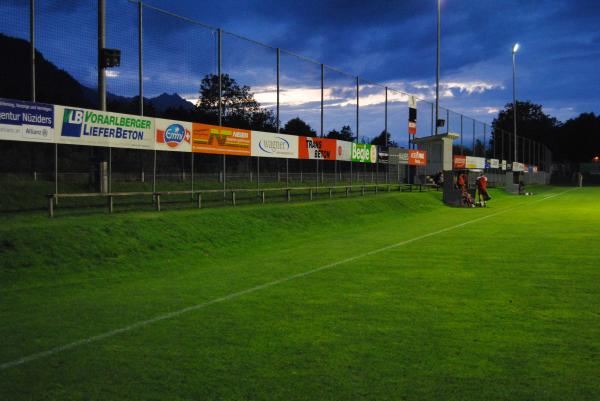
x=168, y=68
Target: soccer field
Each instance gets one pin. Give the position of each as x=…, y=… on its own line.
x=388, y=297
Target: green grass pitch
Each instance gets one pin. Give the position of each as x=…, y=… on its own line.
x=388, y=297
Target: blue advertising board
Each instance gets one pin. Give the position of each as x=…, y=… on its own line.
x=26, y=121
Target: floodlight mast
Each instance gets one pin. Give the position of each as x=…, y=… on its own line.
x=514, y=52
x=437, y=71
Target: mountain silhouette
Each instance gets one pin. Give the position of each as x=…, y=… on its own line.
x=57, y=86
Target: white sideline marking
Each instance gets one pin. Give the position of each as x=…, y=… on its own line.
x=238, y=294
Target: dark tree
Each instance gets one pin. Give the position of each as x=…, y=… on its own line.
x=345, y=134
x=297, y=126
x=239, y=109
x=578, y=139
x=384, y=139
x=532, y=123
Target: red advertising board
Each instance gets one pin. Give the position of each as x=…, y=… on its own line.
x=412, y=128
x=459, y=162
x=317, y=148
x=417, y=158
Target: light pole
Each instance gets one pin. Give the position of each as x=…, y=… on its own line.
x=514, y=52
x=437, y=71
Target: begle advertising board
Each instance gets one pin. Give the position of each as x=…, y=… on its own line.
x=364, y=153
x=218, y=140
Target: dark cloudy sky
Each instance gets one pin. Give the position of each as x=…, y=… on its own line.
x=387, y=42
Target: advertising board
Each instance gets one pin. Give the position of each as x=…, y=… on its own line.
x=364, y=153
x=417, y=157
x=344, y=150
x=268, y=144
x=494, y=163
x=317, y=148
x=218, y=140
x=77, y=126
x=459, y=162
x=474, y=162
x=173, y=135
x=26, y=121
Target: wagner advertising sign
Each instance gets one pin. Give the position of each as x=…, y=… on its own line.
x=267, y=144
x=417, y=157
x=173, y=135
x=220, y=140
x=344, y=150
x=26, y=121
x=99, y=128
x=317, y=148
x=364, y=153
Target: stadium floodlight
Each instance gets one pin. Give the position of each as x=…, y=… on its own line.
x=437, y=68
x=514, y=52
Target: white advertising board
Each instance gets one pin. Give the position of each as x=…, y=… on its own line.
x=78, y=126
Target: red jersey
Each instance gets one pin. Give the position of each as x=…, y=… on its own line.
x=482, y=182
x=461, y=180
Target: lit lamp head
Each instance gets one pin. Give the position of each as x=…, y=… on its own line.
x=515, y=48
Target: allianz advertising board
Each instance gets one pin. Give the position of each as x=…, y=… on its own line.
x=364, y=153
x=268, y=144
x=26, y=121
x=99, y=128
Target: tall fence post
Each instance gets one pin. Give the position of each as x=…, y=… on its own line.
x=32, y=45
x=140, y=58
x=484, y=140
x=102, y=75
x=462, y=148
x=357, y=107
x=474, y=138
x=287, y=162
x=433, y=128
x=219, y=61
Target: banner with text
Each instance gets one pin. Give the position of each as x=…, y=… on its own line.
x=398, y=156
x=26, y=121
x=268, y=144
x=173, y=135
x=220, y=140
x=417, y=157
x=100, y=128
x=364, y=153
x=459, y=162
x=493, y=163
x=317, y=148
x=474, y=162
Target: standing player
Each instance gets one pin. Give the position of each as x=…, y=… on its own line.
x=482, y=194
